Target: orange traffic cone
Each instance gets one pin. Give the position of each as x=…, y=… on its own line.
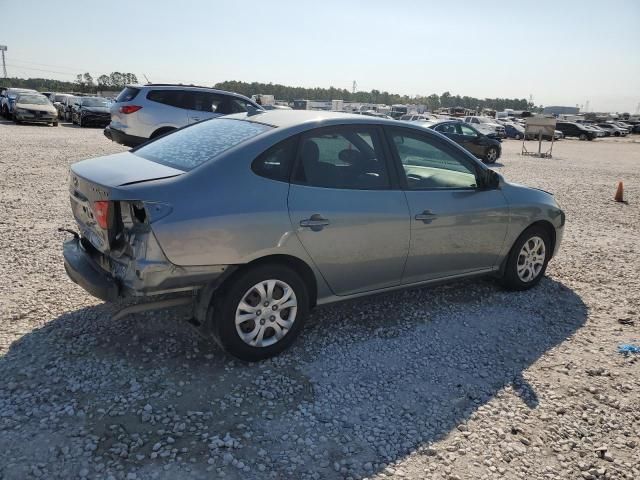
x=619, y=193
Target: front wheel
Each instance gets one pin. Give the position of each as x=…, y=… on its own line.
x=518, y=136
x=260, y=312
x=528, y=259
x=583, y=136
x=492, y=155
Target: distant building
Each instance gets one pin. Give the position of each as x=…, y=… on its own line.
x=560, y=111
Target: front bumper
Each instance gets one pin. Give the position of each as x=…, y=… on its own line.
x=35, y=118
x=84, y=271
x=97, y=120
x=122, y=138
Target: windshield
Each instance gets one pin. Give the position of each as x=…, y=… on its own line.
x=94, y=102
x=191, y=147
x=33, y=99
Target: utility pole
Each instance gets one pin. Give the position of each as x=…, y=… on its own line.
x=355, y=86
x=3, y=48
x=586, y=106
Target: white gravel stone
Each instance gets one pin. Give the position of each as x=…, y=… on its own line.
x=459, y=381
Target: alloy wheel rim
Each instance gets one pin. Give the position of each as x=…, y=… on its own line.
x=531, y=259
x=491, y=154
x=266, y=313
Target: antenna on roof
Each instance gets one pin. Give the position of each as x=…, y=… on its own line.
x=145, y=77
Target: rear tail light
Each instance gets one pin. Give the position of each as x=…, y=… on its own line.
x=101, y=212
x=129, y=108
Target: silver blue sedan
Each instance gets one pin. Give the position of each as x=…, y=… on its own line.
x=258, y=217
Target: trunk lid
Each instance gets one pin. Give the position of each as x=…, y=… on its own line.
x=95, y=180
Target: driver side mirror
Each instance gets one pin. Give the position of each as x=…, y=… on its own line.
x=491, y=180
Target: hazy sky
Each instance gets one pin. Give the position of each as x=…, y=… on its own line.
x=561, y=52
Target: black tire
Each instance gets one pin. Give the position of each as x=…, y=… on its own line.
x=15, y=118
x=80, y=124
x=55, y=124
x=518, y=136
x=510, y=278
x=491, y=155
x=222, y=312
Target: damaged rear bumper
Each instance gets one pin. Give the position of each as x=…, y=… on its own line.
x=111, y=279
x=84, y=271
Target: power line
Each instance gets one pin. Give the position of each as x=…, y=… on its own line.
x=41, y=69
x=63, y=67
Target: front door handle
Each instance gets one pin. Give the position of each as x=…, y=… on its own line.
x=426, y=217
x=316, y=222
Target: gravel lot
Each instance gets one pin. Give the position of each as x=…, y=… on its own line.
x=462, y=381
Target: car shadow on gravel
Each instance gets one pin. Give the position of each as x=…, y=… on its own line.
x=368, y=383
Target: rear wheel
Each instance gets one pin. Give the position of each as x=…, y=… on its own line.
x=527, y=260
x=260, y=312
x=492, y=155
x=583, y=136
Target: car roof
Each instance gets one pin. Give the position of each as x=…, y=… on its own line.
x=288, y=118
x=173, y=86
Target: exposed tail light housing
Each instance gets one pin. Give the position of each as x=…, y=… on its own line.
x=101, y=213
x=130, y=108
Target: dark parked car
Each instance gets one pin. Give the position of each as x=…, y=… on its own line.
x=482, y=146
x=572, y=129
x=513, y=131
x=91, y=111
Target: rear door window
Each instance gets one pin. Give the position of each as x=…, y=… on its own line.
x=173, y=98
x=204, y=101
x=342, y=157
x=276, y=162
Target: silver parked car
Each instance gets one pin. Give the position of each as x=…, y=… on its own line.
x=257, y=218
x=143, y=112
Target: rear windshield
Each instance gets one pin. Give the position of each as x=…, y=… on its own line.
x=128, y=94
x=190, y=147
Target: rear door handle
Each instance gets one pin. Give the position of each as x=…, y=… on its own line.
x=316, y=222
x=426, y=217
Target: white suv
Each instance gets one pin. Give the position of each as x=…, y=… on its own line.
x=487, y=126
x=143, y=112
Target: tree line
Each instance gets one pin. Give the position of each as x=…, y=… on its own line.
x=113, y=81
x=433, y=101
x=85, y=83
